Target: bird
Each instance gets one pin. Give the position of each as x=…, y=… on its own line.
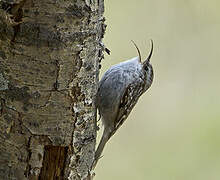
x=119, y=90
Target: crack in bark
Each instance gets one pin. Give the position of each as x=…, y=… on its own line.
x=2, y=106
x=20, y=116
x=56, y=84
x=21, y=124
x=47, y=101
x=28, y=167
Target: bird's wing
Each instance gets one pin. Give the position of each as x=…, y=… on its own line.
x=128, y=101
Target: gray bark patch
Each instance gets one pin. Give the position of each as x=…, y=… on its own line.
x=3, y=83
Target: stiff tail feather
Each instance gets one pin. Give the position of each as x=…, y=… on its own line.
x=99, y=150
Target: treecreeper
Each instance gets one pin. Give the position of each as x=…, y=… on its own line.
x=119, y=90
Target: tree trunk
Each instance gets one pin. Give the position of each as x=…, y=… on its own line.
x=49, y=62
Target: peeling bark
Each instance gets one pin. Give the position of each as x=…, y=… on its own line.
x=50, y=52
x=54, y=162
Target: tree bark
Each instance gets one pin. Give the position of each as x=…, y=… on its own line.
x=49, y=63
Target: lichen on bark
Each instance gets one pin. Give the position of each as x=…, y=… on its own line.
x=3, y=83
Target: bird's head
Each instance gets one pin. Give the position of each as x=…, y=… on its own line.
x=147, y=67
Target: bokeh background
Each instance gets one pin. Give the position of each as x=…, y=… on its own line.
x=174, y=131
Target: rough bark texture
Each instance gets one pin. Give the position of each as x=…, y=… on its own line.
x=49, y=59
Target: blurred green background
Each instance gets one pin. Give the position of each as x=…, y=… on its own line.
x=173, y=133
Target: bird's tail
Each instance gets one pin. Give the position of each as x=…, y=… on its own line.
x=99, y=150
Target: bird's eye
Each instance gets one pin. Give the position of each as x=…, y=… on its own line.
x=146, y=68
